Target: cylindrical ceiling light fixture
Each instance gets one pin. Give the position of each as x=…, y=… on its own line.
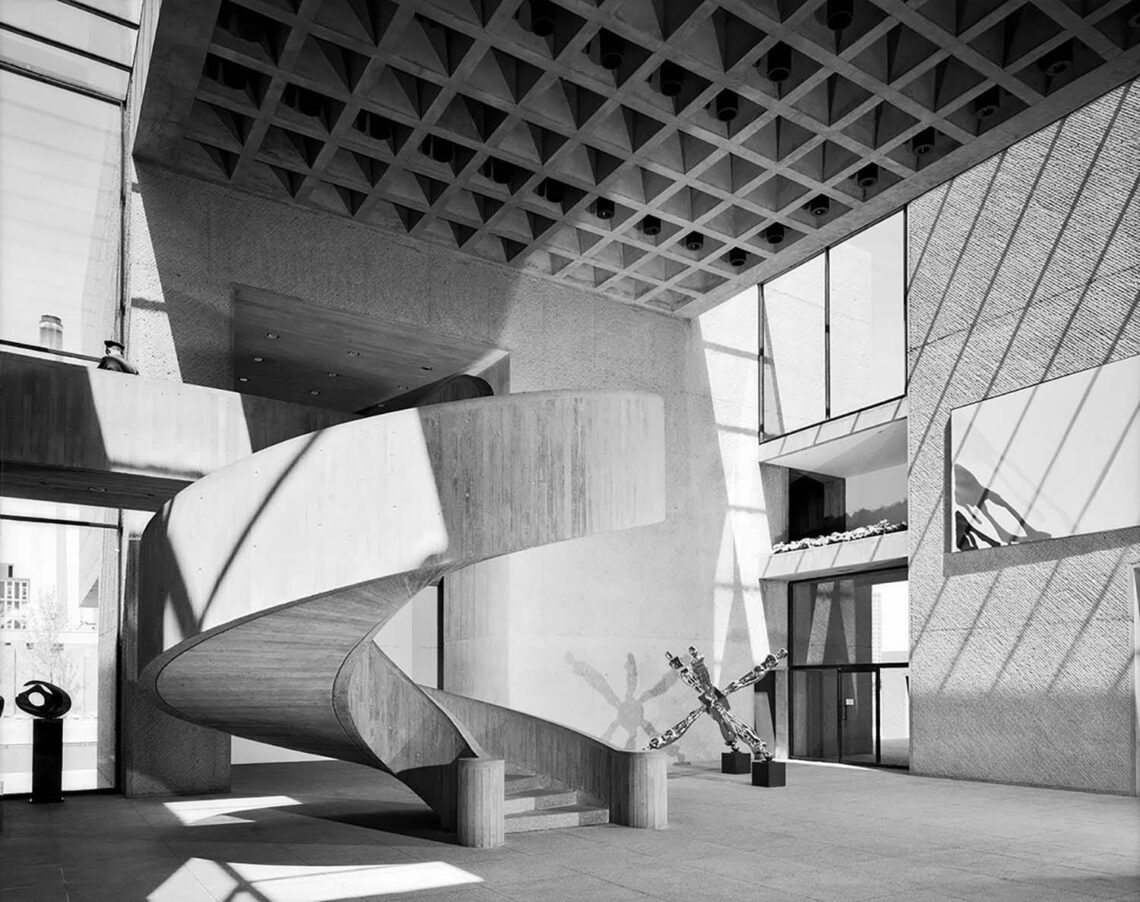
x=839, y=14
x=868, y=176
x=774, y=234
x=738, y=256
x=727, y=105
x=542, y=18
x=779, y=63
x=819, y=205
x=694, y=241
x=604, y=208
x=987, y=104
x=922, y=143
x=651, y=226
x=672, y=79
x=611, y=50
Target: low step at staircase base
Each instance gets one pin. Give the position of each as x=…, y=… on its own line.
x=552, y=818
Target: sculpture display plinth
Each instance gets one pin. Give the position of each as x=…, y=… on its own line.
x=735, y=762
x=769, y=773
x=48, y=703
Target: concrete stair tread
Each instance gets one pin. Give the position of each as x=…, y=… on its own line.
x=540, y=799
x=576, y=815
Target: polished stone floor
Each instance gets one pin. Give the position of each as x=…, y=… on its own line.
x=318, y=832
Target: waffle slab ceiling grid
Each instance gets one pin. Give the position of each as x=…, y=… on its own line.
x=542, y=135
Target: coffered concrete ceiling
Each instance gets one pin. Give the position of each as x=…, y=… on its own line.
x=542, y=135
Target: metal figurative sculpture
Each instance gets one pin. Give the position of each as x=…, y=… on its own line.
x=714, y=702
x=52, y=702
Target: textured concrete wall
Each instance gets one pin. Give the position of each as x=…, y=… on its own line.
x=575, y=632
x=1023, y=269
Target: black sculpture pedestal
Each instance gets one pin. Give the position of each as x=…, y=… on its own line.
x=47, y=760
x=735, y=762
x=768, y=773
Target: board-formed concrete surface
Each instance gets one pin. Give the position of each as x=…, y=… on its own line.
x=332, y=831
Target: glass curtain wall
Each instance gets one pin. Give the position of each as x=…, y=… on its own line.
x=833, y=331
x=64, y=74
x=59, y=622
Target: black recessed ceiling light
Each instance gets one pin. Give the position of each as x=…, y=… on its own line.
x=727, y=106
x=672, y=79
x=839, y=14
x=243, y=378
x=313, y=391
x=604, y=208
x=922, y=143
x=611, y=50
x=427, y=369
x=1057, y=61
x=987, y=104
x=694, y=241
x=272, y=336
x=774, y=234
x=542, y=14
x=819, y=205
x=258, y=359
x=551, y=189
x=651, y=225
x=868, y=176
x=779, y=63
x=738, y=256
x=439, y=149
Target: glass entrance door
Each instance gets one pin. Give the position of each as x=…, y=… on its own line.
x=858, y=724
x=848, y=669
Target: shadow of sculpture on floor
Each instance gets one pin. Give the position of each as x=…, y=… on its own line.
x=630, y=710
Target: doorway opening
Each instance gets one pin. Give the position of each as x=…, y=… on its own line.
x=849, y=674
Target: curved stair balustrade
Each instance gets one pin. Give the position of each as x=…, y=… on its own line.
x=263, y=584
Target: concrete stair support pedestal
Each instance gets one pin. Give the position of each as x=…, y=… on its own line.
x=479, y=811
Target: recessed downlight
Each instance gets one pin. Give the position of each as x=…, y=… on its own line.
x=243, y=378
x=427, y=369
x=272, y=336
x=352, y=353
x=258, y=359
x=401, y=388
x=313, y=391
x=98, y=489
x=332, y=374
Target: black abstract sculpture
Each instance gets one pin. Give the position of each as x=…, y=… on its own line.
x=49, y=703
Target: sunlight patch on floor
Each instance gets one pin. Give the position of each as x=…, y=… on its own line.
x=210, y=812
x=202, y=878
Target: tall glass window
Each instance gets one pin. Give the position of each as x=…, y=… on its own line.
x=833, y=331
x=59, y=576
x=865, y=292
x=793, y=318
x=60, y=226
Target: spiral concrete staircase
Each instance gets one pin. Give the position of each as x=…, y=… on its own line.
x=263, y=584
